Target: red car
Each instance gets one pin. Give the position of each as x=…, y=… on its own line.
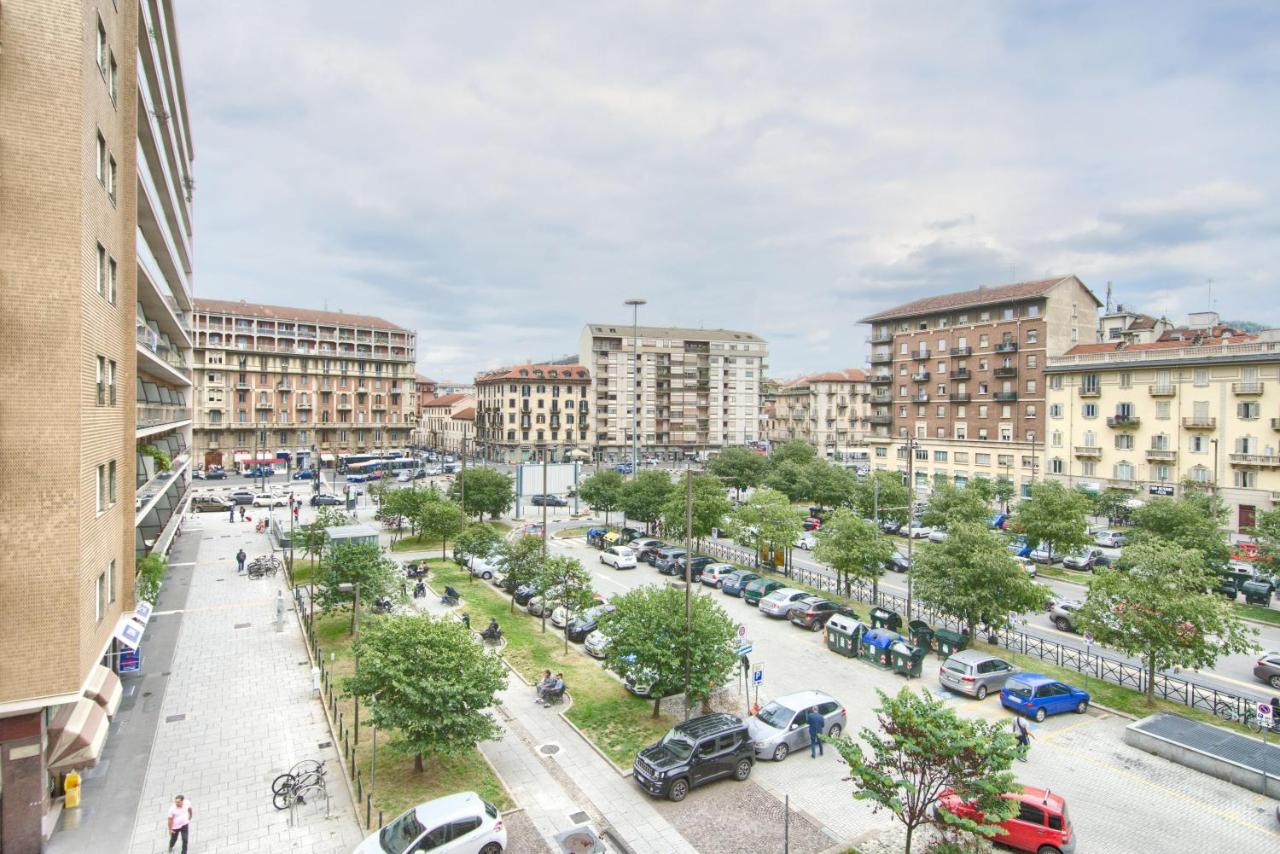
x=1040, y=825
x=813, y=523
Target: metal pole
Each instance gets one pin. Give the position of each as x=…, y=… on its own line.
x=911, y=513
x=544, y=502
x=355, y=637
x=635, y=381
x=688, y=580
x=373, y=760
x=462, y=478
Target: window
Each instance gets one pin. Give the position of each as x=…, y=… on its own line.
x=1090, y=439
x=1201, y=377
x=102, y=46
x=982, y=459
x=1162, y=410
x=102, y=270
x=102, y=380
x=1033, y=336
x=1160, y=473
x=1089, y=384
x=1245, y=478
x=984, y=340
x=111, y=179
x=1124, y=441
x=1055, y=382
x=1126, y=379
x=1006, y=313
x=1199, y=444
x=939, y=456
x=111, y=580
x=1089, y=410
x=982, y=411
x=1031, y=386
x=113, y=78
x=100, y=161
x=1055, y=410
x=1055, y=465
x=1248, y=411
x=1033, y=361
x=922, y=455
x=1088, y=468
x=100, y=597
x=1006, y=411
x=1124, y=471
x=961, y=458
x=1004, y=459
x=112, y=278
x=984, y=315
x=102, y=488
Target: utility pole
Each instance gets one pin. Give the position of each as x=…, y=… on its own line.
x=543, y=451
x=688, y=580
x=911, y=513
x=635, y=382
x=462, y=478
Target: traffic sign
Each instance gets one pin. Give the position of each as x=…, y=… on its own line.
x=742, y=630
x=745, y=649
x=1264, y=714
x=1088, y=638
x=757, y=676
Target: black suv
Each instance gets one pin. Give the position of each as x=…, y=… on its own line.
x=695, y=752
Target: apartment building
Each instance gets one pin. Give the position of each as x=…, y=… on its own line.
x=1199, y=403
x=95, y=180
x=448, y=423
x=294, y=383
x=693, y=390
x=528, y=411
x=957, y=380
x=827, y=410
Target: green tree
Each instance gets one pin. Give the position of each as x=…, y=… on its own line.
x=710, y=508
x=647, y=633
x=855, y=548
x=573, y=585
x=356, y=563
x=1055, y=515
x=399, y=506
x=953, y=505
x=827, y=485
x=794, y=451
x=521, y=559
x=1113, y=504
x=602, y=491
x=788, y=478
x=428, y=683
x=488, y=491
x=476, y=540
x=1188, y=523
x=150, y=576
x=644, y=496
x=972, y=577
x=1266, y=530
x=924, y=748
x=894, y=499
x=983, y=488
x=441, y=518
x=1004, y=491
x=766, y=519
x=1161, y=609
x=739, y=468
x=311, y=537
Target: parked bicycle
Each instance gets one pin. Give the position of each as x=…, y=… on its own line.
x=1248, y=717
x=264, y=565
x=304, y=781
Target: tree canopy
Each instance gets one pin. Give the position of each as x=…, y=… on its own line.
x=766, y=519
x=788, y=478
x=1266, y=530
x=794, y=451
x=441, y=518
x=311, y=537
x=573, y=584
x=488, y=491
x=645, y=495
x=1055, y=515
x=602, y=492
x=710, y=508
x=1113, y=504
x=476, y=540
x=855, y=548
x=1189, y=523
x=427, y=683
x=952, y=505
x=521, y=560
x=894, y=498
x=739, y=468
x=827, y=485
x=351, y=563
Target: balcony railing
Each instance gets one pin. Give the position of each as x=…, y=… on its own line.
x=1199, y=422
x=1090, y=392
x=881, y=337
x=1093, y=451
x=1162, y=454
x=880, y=357
x=960, y=373
x=1003, y=372
x=880, y=419
x=1255, y=460
x=1007, y=347
x=1162, y=390
x=880, y=379
x=960, y=397
x=1006, y=395
x=922, y=397
x=881, y=398
x=920, y=377
x=1246, y=388
x=154, y=416
x=920, y=354
x=962, y=351
x=1123, y=422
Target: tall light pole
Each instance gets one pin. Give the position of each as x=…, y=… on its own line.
x=635, y=381
x=911, y=513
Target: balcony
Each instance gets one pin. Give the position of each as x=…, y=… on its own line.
x=960, y=397
x=1089, y=451
x=1124, y=422
x=882, y=420
x=881, y=337
x=962, y=351
x=1162, y=390
x=1006, y=395
x=960, y=374
x=920, y=354
x=882, y=398
x=1162, y=455
x=880, y=379
x=920, y=377
x=1246, y=389
x=1005, y=372
x=1090, y=392
x=880, y=357
x=922, y=397
x=1266, y=461
x=1199, y=422
x=150, y=416
x=1007, y=347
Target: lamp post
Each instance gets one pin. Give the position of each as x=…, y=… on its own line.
x=688, y=578
x=635, y=381
x=911, y=513
x=542, y=450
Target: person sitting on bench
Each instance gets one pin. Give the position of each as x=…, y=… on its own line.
x=493, y=632
x=451, y=596
x=554, y=692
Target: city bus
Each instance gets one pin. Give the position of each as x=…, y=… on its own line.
x=345, y=462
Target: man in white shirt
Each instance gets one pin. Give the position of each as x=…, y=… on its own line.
x=180, y=815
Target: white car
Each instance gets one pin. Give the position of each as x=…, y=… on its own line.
x=618, y=557
x=404, y=477
x=464, y=823
x=1111, y=539
x=919, y=533
x=806, y=541
x=560, y=616
x=596, y=644
x=267, y=499
x=483, y=567
x=938, y=535
x=713, y=574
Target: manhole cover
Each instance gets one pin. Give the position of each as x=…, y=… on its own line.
x=173, y=719
x=579, y=817
x=322, y=745
x=243, y=625
x=549, y=749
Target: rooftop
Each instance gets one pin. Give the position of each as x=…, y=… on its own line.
x=468, y=414
x=536, y=372
x=242, y=308
x=979, y=296
x=447, y=400
x=848, y=375
x=1234, y=347
x=676, y=332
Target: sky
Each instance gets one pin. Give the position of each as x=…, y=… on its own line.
x=496, y=175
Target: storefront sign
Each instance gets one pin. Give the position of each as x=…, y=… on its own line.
x=1160, y=489
x=129, y=662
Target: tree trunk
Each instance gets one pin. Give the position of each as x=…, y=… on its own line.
x=444, y=543
x=1151, y=679
x=657, y=706
x=910, y=830
x=417, y=763
x=973, y=629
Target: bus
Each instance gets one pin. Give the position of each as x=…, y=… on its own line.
x=400, y=464
x=345, y=462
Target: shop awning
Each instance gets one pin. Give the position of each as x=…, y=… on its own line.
x=328, y=458
x=104, y=689
x=242, y=456
x=76, y=736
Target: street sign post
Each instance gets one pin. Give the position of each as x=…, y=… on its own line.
x=1088, y=658
x=1264, y=722
x=757, y=676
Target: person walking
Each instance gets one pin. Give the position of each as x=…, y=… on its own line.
x=241, y=512
x=816, y=724
x=180, y=815
x=240, y=559
x=231, y=513
x=1023, y=736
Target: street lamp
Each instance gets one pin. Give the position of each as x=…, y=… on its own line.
x=635, y=381
x=911, y=512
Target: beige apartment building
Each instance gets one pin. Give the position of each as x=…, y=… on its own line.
x=957, y=380
x=448, y=423
x=828, y=411
x=1199, y=403
x=95, y=183
x=277, y=383
x=694, y=390
x=528, y=411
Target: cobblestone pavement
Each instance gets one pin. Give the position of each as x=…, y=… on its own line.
x=743, y=818
x=238, y=711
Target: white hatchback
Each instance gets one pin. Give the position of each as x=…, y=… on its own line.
x=619, y=557
x=267, y=499
x=714, y=574
x=464, y=823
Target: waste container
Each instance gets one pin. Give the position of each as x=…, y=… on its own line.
x=1227, y=587
x=950, y=642
x=844, y=635
x=1256, y=592
x=921, y=634
x=882, y=618
x=878, y=643
x=908, y=661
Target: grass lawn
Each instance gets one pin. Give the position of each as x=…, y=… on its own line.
x=304, y=569
x=1063, y=574
x=566, y=533
x=398, y=786
x=416, y=544
x=618, y=722
x=1261, y=613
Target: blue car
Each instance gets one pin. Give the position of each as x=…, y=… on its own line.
x=303, y=474
x=1019, y=547
x=1038, y=696
x=735, y=583
x=623, y=468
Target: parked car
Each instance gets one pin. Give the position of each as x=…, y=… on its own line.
x=560, y=616
x=735, y=583
x=1027, y=566
x=197, y=474
x=938, y=535
x=357, y=478
x=269, y=499
x=304, y=474
x=891, y=527
x=464, y=823
x=623, y=468
x=1268, y=668
x=806, y=541
x=585, y=623
x=1040, y=825
x=812, y=523
x=211, y=504
x=596, y=644
x=975, y=673
x=760, y=588
x=545, y=604
x=618, y=557
x=484, y=567
x=1019, y=547
x=670, y=561
x=1062, y=614
x=326, y=500
x=714, y=574
x=524, y=593
x=629, y=535
x=548, y=501
x=1086, y=559
x=782, y=725
x=812, y=612
x=779, y=602
x=215, y=474
x=404, y=477
x=899, y=563
x=1111, y=539
x=695, y=752
x=651, y=556
x=640, y=544
x=1043, y=553
x=241, y=496
x=696, y=565
x=917, y=531
x=1037, y=696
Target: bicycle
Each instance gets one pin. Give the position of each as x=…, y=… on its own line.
x=304, y=780
x=1248, y=718
x=264, y=565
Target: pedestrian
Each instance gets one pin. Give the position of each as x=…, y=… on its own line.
x=543, y=684
x=816, y=724
x=1023, y=735
x=241, y=512
x=231, y=513
x=180, y=815
x=240, y=559
x=296, y=508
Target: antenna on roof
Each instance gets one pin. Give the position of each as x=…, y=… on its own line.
x=1210, y=281
x=1108, y=296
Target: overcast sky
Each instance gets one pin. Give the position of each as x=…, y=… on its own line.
x=494, y=175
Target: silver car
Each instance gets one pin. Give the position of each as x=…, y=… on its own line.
x=782, y=725
x=779, y=602
x=975, y=673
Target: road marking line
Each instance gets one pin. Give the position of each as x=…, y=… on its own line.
x=207, y=608
x=1049, y=735
x=187, y=563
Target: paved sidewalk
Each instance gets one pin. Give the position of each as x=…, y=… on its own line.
x=238, y=711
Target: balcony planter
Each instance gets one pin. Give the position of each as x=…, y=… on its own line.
x=162, y=460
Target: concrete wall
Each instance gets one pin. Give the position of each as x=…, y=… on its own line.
x=1205, y=763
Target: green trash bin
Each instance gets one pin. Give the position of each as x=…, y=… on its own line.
x=844, y=635
x=1256, y=592
x=882, y=618
x=908, y=661
x=921, y=634
x=950, y=642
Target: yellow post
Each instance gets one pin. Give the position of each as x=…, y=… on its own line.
x=72, y=788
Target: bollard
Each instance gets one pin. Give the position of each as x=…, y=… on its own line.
x=279, y=610
x=379, y=818
x=368, y=811
x=315, y=681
